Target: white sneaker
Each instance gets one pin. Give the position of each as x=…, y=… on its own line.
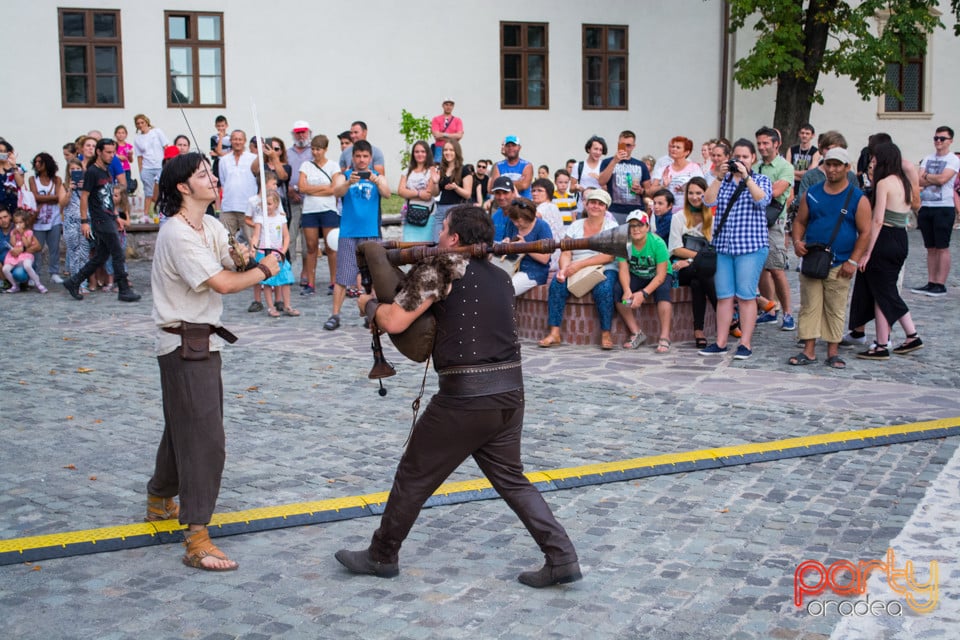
x=56, y=278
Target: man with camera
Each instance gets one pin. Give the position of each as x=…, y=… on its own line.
x=361, y=189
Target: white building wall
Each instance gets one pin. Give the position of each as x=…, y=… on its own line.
x=334, y=62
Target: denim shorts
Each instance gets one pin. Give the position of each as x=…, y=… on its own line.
x=149, y=179
x=320, y=220
x=738, y=275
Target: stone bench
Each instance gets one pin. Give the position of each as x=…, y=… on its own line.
x=581, y=323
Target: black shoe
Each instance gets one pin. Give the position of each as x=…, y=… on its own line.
x=128, y=295
x=875, y=352
x=924, y=289
x=936, y=291
x=73, y=288
x=549, y=575
x=911, y=345
x=361, y=562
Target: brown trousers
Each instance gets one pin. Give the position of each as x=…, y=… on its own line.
x=192, y=450
x=441, y=440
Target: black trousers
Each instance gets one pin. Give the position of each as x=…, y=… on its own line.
x=107, y=244
x=441, y=440
x=877, y=284
x=701, y=290
x=193, y=447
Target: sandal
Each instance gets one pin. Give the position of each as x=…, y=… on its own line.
x=333, y=322
x=199, y=547
x=801, y=359
x=550, y=341
x=663, y=345
x=161, y=509
x=606, y=341
x=835, y=362
x=700, y=343
x=875, y=352
x=735, y=329
x=353, y=292
x=273, y=313
x=635, y=341
x=293, y=313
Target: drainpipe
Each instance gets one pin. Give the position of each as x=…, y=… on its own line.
x=725, y=70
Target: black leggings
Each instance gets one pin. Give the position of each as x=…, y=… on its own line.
x=701, y=289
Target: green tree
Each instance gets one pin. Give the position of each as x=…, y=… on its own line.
x=797, y=40
x=412, y=129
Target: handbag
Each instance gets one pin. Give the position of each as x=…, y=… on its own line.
x=510, y=264
x=582, y=282
x=705, y=262
x=694, y=243
x=773, y=211
x=418, y=215
x=819, y=257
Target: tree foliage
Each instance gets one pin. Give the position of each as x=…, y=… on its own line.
x=797, y=40
x=413, y=128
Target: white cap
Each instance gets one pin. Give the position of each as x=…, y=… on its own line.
x=301, y=125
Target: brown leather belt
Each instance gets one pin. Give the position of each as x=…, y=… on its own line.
x=220, y=331
x=471, y=381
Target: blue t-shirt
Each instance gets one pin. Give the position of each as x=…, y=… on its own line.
x=360, y=217
x=500, y=221
x=824, y=209
x=514, y=172
x=626, y=174
x=4, y=243
x=541, y=231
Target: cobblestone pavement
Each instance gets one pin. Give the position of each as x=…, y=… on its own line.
x=692, y=555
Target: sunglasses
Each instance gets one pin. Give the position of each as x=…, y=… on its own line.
x=522, y=205
x=636, y=225
x=941, y=138
x=277, y=149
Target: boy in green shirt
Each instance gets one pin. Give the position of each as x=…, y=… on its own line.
x=646, y=274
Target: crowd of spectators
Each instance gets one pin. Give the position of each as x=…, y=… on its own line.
x=735, y=208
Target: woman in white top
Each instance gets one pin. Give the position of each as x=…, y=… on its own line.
x=586, y=173
x=47, y=190
x=678, y=172
x=418, y=189
x=148, y=146
x=315, y=184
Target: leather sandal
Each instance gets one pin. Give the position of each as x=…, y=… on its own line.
x=550, y=341
x=199, y=547
x=161, y=509
x=606, y=341
x=663, y=345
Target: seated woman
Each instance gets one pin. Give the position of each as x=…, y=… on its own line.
x=525, y=226
x=644, y=275
x=690, y=231
x=573, y=261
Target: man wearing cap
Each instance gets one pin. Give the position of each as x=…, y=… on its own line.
x=237, y=181
x=358, y=131
x=445, y=126
x=514, y=167
x=823, y=303
x=503, y=193
x=624, y=177
x=298, y=153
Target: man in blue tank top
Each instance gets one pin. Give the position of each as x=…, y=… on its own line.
x=514, y=167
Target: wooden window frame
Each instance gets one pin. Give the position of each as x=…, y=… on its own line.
x=605, y=54
x=89, y=42
x=524, y=51
x=922, y=63
x=194, y=44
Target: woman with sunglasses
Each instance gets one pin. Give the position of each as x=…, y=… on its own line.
x=47, y=189
x=525, y=226
x=275, y=159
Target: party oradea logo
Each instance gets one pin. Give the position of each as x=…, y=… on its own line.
x=845, y=578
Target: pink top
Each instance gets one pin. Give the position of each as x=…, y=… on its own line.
x=437, y=124
x=125, y=152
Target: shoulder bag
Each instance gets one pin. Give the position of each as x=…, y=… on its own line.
x=819, y=258
x=705, y=262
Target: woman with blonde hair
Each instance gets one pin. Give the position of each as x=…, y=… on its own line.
x=690, y=231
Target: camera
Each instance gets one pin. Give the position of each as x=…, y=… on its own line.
x=364, y=175
x=732, y=166
x=4, y=155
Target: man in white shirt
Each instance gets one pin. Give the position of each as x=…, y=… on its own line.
x=238, y=182
x=938, y=174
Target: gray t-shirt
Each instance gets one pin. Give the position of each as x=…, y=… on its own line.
x=182, y=264
x=346, y=158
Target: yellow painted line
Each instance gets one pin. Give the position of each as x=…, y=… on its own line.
x=476, y=485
